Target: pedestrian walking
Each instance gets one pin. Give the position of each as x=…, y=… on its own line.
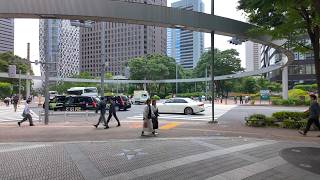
x=147, y=119
x=112, y=112
x=241, y=100
x=7, y=101
x=235, y=99
x=26, y=114
x=314, y=111
x=102, y=108
x=15, y=101
x=155, y=111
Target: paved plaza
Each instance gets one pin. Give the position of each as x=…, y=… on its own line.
x=221, y=158
x=187, y=147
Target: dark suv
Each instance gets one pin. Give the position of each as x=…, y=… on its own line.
x=76, y=103
x=73, y=103
x=122, y=102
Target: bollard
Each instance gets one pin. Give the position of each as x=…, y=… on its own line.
x=87, y=115
x=39, y=116
x=65, y=116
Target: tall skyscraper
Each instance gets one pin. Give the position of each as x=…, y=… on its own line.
x=6, y=35
x=122, y=42
x=184, y=45
x=59, y=44
x=252, y=56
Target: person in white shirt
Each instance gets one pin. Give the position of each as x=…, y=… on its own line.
x=147, y=119
x=26, y=114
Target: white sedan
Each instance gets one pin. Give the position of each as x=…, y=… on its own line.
x=181, y=105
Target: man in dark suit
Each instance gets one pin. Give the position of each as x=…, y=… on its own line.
x=102, y=108
x=112, y=111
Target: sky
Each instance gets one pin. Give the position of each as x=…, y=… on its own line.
x=27, y=30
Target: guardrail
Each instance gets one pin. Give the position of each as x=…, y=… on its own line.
x=66, y=114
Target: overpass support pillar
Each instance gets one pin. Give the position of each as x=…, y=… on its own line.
x=285, y=82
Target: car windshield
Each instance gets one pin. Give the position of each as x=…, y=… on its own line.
x=90, y=90
x=60, y=99
x=75, y=92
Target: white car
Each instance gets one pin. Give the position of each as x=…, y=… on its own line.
x=181, y=105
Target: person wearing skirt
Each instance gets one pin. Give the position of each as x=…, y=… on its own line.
x=147, y=120
x=155, y=110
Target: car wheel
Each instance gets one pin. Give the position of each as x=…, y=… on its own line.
x=188, y=111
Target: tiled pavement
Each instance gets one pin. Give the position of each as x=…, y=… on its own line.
x=202, y=158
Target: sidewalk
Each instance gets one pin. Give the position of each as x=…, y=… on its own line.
x=200, y=158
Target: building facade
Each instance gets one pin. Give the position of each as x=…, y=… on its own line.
x=184, y=45
x=59, y=45
x=6, y=35
x=302, y=70
x=252, y=56
x=122, y=42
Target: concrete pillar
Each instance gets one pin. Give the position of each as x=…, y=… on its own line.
x=285, y=82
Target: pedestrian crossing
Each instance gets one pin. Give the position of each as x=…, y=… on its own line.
x=177, y=117
x=7, y=114
x=206, y=116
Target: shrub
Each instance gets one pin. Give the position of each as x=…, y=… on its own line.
x=291, y=124
x=297, y=93
x=285, y=115
x=257, y=120
x=291, y=102
x=155, y=97
x=306, y=87
x=5, y=89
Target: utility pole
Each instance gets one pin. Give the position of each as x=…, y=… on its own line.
x=103, y=56
x=28, y=72
x=212, y=65
x=206, y=82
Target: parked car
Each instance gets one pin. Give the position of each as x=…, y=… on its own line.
x=122, y=102
x=181, y=105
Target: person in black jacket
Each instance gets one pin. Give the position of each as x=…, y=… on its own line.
x=112, y=111
x=314, y=111
x=102, y=108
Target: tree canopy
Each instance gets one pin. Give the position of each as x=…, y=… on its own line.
x=152, y=67
x=298, y=21
x=225, y=62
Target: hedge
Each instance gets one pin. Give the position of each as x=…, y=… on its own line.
x=306, y=87
x=282, y=119
x=291, y=102
x=283, y=115
x=187, y=95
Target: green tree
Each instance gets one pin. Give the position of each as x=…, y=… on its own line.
x=8, y=58
x=249, y=85
x=289, y=19
x=5, y=89
x=225, y=62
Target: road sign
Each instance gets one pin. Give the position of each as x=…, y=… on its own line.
x=264, y=94
x=12, y=71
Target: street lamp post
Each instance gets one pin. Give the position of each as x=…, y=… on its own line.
x=212, y=66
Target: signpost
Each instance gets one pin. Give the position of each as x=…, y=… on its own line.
x=265, y=95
